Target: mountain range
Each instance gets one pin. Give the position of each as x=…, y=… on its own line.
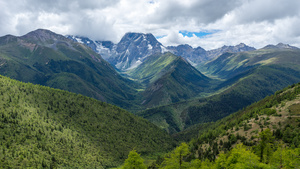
x=141, y=58
x=191, y=93
x=45, y=58
x=152, y=75
x=134, y=48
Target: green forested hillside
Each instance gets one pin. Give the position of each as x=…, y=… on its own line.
x=264, y=72
x=44, y=127
x=45, y=58
x=278, y=113
x=168, y=79
x=265, y=134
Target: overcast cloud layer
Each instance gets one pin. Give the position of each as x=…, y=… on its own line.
x=230, y=22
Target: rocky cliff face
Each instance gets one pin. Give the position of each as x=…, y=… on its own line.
x=133, y=49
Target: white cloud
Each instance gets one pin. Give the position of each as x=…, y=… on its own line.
x=254, y=22
x=266, y=10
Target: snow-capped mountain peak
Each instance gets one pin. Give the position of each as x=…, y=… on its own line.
x=134, y=48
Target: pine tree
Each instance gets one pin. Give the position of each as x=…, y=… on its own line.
x=239, y=157
x=134, y=161
x=265, y=145
x=175, y=160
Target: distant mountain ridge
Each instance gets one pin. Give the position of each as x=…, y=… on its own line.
x=134, y=48
x=233, y=49
x=199, y=55
x=192, y=55
x=280, y=46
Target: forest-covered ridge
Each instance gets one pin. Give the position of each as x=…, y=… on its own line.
x=42, y=127
x=265, y=134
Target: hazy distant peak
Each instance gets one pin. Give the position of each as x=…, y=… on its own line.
x=7, y=38
x=134, y=36
x=280, y=46
x=185, y=45
x=41, y=32
x=241, y=45
x=285, y=46
x=43, y=35
x=139, y=39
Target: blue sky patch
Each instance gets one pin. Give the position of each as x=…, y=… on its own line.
x=200, y=34
x=159, y=37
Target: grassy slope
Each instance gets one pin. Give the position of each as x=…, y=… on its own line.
x=168, y=79
x=269, y=129
x=265, y=72
x=153, y=68
x=279, y=112
x=44, y=127
x=45, y=58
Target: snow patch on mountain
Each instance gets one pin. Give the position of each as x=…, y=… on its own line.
x=164, y=49
x=103, y=51
x=192, y=63
x=135, y=64
x=118, y=65
x=79, y=40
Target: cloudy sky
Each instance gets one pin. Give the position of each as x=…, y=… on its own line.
x=206, y=23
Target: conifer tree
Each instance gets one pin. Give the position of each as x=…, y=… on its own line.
x=175, y=160
x=265, y=145
x=134, y=161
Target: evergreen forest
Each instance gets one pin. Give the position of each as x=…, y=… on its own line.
x=263, y=135
x=41, y=127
